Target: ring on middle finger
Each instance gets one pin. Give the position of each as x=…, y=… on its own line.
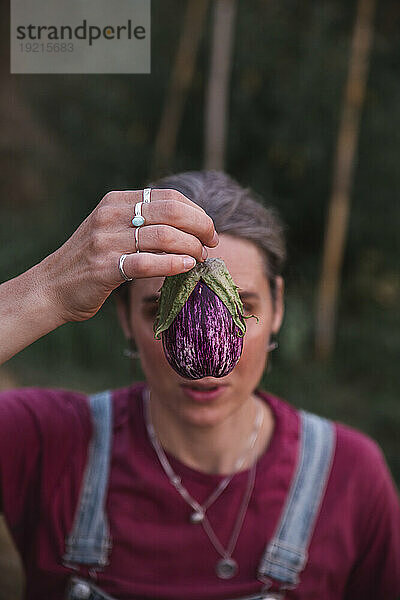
x=138, y=220
x=137, y=239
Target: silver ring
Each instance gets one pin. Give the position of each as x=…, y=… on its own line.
x=121, y=268
x=147, y=195
x=137, y=239
x=138, y=220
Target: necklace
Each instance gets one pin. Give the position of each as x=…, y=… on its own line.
x=226, y=567
x=199, y=510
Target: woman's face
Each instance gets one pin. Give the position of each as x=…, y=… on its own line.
x=245, y=263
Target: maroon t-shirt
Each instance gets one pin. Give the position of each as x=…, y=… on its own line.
x=157, y=553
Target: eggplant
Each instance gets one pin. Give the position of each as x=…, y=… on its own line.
x=200, y=317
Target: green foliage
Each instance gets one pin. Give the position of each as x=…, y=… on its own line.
x=290, y=65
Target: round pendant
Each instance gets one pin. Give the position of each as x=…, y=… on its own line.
x=81, y=590
x=196, y=517
x=226, y=568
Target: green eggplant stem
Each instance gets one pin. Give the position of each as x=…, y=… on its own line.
x=176, y=289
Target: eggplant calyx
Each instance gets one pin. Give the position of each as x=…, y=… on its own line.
x=176, y=289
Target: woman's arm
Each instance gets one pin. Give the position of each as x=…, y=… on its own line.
x=73, y=283
x=26, y=311
x=376, y=572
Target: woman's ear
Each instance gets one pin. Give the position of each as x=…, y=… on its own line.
x=123, y=316
x=279, y=308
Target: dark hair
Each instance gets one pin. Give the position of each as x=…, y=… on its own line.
x=235, y=210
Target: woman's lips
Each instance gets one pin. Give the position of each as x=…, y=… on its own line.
x=205, y=395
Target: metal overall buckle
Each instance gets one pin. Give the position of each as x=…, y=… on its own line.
x=267, y=593
x=80, y=589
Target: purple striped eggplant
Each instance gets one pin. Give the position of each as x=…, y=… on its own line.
x=200, y=317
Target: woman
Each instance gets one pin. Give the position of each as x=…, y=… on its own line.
x=163, y=491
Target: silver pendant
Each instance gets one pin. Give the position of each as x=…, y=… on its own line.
x=81, y=590
x=196, y=517
x=226, y=568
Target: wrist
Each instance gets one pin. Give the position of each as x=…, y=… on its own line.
x=45, y=293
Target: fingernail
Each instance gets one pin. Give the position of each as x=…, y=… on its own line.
x=215, y=238
x=189, y=263
x=204, y=253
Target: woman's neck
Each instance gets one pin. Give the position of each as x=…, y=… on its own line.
x=217, y=448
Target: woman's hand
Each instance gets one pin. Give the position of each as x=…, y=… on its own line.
x=79, y=276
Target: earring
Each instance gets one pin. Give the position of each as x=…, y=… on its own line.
x=273, y=344
x=132, y=351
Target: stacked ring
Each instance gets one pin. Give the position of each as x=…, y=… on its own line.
x=121, y=268
x=138, y=219
x=137, y=239
x=147, y=195
x=137, y=222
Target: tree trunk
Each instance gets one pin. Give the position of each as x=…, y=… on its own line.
x=216, y=112
x=345, y=159
x=181, y=78
x=24, y=142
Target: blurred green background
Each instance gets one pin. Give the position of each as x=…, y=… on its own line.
x=67, y=140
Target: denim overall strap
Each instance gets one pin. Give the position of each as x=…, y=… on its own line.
x=286, y=554
x=89, y=541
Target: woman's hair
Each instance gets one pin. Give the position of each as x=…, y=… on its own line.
x=236, y=211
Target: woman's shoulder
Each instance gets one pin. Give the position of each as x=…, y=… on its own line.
x=48, y=411
x=47, y=398
x=360, y=470
x=43, y=404
x=352, y=444
x=356, y=444
x=361, y=459
x=41, y=429
x=358, y=457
